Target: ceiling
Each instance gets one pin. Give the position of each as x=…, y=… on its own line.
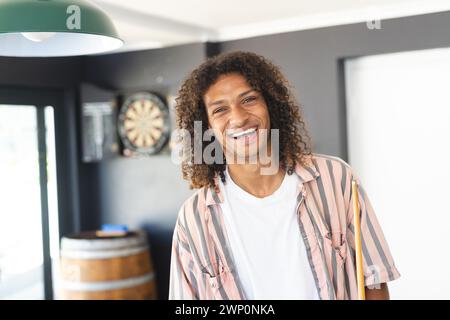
x=147, y=24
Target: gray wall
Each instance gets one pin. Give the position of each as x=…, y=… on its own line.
x=58, y=73
x=136, y=191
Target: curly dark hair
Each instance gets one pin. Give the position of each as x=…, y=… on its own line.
x=263, y=76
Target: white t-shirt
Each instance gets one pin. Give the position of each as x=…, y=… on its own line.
x=265, y=239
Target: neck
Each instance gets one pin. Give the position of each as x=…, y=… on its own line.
x=250, y=179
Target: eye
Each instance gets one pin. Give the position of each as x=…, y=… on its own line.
x=218, y=110
x=249, y=99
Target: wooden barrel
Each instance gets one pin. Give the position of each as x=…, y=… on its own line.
x=101, y=267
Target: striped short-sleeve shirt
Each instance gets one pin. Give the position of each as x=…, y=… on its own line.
x=202, y=265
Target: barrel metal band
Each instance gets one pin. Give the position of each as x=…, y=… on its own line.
x=88, y=255
x=107, y=285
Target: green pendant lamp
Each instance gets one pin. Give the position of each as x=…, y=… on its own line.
x=51, y=28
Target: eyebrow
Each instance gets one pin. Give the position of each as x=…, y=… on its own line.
x=240, y=95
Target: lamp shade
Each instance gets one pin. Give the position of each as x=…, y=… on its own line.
x=50, y=28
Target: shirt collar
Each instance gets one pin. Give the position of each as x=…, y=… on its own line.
x=306, y=173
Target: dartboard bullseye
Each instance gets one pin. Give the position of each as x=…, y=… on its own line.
x=143, y=124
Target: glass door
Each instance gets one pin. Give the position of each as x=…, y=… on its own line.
x=29, y=236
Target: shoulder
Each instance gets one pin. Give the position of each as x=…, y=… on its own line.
x=333, y=170
x=331, y=165
x=325, y=160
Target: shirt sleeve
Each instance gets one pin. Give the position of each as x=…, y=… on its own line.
x=182, y=277
x=378, y=263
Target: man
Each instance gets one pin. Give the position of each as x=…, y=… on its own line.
x=254, y=233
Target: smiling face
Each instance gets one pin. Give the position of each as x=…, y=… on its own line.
x=238, y=115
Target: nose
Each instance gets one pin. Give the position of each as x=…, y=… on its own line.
x=238, y=117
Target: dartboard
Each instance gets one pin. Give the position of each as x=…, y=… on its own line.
x=143, y=124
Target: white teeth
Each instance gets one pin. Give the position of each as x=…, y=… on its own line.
x=240, y=134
